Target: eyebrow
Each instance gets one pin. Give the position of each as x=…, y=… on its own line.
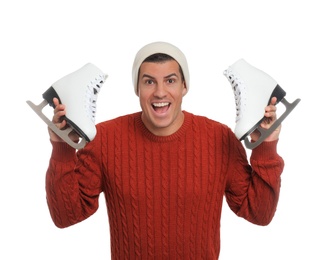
x=166, y=77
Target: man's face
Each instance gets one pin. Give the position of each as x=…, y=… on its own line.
x=161, y=92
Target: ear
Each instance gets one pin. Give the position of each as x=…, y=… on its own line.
x=184, y=91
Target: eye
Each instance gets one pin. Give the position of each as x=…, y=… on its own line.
x=149, y=82
x=170, y=81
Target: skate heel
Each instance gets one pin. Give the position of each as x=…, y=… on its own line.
x=49, y=95
x=279, y=93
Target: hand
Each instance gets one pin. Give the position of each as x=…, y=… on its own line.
x=59, y=113
x=270, y=117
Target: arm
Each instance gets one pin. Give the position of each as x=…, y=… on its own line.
x=252, y=191
x=72, y=179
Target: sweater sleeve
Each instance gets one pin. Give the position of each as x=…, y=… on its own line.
x=72, y=184
x=252, y=190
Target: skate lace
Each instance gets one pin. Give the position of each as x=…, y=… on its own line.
x=238, y=88
x=91, y=95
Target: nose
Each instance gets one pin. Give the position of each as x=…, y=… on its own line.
x=160, y=90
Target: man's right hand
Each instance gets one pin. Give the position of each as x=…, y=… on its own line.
x=60, y=122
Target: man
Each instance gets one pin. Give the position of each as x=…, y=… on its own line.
x=163, y=171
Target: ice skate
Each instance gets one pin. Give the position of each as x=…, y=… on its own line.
x=253, y=90
x=78, y=92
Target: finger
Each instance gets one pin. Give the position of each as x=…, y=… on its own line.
x=273, y=101
x=62, y=124
x=58, y=115
x=270, y=111
x=270, y=108
x=58, y=108
x=266, y=123
x=55, y=101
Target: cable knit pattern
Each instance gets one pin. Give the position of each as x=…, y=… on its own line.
x=164, y=194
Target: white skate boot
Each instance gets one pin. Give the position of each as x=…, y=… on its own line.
x=78, y=92
x=253, y=90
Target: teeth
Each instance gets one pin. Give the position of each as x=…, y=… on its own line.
x=163, y=104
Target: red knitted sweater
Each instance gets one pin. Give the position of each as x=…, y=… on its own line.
x=164, y=194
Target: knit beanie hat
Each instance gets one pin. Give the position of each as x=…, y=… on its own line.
x=160, y=47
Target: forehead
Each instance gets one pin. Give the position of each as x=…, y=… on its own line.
x=158, y=68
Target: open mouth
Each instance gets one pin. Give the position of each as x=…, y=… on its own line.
x=161, y=107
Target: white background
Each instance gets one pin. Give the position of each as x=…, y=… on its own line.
x=41, y=41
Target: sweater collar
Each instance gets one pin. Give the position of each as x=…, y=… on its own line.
x=154, y=138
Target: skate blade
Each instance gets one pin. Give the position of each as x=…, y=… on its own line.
x=266, y=132
x=64, y=134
